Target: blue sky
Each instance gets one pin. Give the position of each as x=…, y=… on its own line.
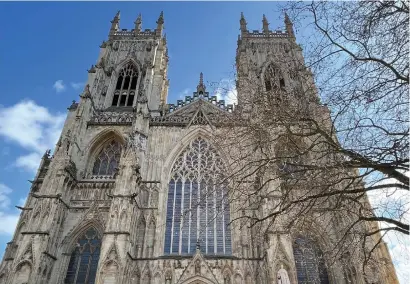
x=47, y=48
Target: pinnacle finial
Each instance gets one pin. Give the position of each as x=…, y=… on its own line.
x=287, y=20
x=161, y=18
x=265, y=24
x=138, y=23
x=201, y=86
x=198, y=246
x=289, y=26
x=117, y=16
x=115, y=23
x=243, y=23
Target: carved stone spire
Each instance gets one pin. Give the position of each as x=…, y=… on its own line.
x=265, y=25
x=115, y=23
x=243, y=24
x=160, y=24
x=289, y=26
x=201, y=86
x=138, y=24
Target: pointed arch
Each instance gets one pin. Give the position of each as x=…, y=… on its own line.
x=128, y=76
x=104, y=153
x=309, y=261
x=198, y=279
x=135, y=62
x=181, y=145
x=85, y=254
x=140, y=237
x=109, y=272
x=197, y=205
x=150, y=237
x=22, y=272
x=273, y=77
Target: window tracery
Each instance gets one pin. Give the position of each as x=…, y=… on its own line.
x=197, y=209
x=310, y=265
x=273, y=78
x=126, y=86
x=107, y=160
x=82, y=267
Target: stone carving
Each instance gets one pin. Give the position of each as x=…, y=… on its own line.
x=198, y=267
x=112, y=118
x=283, y=277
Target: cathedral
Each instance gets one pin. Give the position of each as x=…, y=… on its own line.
x=131, y=193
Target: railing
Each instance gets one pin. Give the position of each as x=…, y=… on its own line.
x=93, y=190
x=112, y=118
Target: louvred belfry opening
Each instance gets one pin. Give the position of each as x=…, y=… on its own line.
x=198, y=207
x=126, y=86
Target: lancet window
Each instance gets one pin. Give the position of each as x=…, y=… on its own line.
x=197, y=207
x=126, y=86
x=107, y=159
x=273, y=78
x=310, y=265
x=82, y=267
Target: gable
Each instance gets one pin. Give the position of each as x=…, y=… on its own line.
x=197, y=112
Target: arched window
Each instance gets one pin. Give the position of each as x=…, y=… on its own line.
x=273, y=78
x=126, y=86
x=197, y=207
x=84, y=259
x=107, y=159
x=310, y=265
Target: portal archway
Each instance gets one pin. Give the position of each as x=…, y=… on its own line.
x=198, y=280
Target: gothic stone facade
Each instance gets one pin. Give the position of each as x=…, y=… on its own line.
x=116, y=201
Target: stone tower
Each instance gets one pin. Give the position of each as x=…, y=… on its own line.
x=131, y=192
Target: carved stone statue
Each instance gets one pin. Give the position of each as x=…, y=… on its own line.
x=197, y=267
x=283, y=277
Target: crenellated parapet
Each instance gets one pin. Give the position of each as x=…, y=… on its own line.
x=137, y=32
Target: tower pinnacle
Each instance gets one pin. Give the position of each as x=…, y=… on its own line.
x=265, y=25
x=289, y=26
x=201, y=86
x=138, y=23
x=160, y=23
x=115, y=23
x=243, y=23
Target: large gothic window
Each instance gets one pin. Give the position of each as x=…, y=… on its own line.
x=82, y=268
x=197, y=209
x=273, y=78
x=126, y=86
x=310, y=265
x=107, y=159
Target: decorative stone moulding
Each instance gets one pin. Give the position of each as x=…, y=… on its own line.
x=112, y=118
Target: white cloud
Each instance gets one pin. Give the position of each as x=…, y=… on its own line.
x=76, y=86
x=4, y=199
x=184, y=93
x=226, y=90
x=32, y=127
x=29, y=162
x=59, y=86
x=8, y=221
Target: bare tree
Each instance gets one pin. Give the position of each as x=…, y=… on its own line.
x=295, y=156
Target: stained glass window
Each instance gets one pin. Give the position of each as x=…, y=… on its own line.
x=108, y=159
x=125, y=89
x=310, y=265
x=197, y=208
x=82, y=268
